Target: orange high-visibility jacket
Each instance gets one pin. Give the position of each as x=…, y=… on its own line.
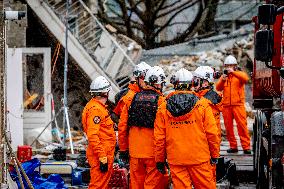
x=133, y=87
x=98, y=127
x=216, y=107
x=185, y=130
x=139, y=140
x=233, y=88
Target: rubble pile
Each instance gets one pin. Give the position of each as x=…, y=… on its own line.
x=243, y=51
x=44, y=150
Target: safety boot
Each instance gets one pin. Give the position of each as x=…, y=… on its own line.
x=247, y=151
x=232, y=150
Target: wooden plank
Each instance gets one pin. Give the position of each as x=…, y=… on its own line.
x=244, y=162
x=245, y=168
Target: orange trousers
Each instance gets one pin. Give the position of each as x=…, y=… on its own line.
x=239, y=114
x=214, y=172
x=200, y=176
x=144, y=174
x=99, y=179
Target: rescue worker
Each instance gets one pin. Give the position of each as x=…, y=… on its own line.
x=137, y=126
x=204, y=88
x=186, y=134
x=232, y=83
x=134, y=86
x=98, y=126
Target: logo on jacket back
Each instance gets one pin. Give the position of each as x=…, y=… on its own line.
x=178, y=124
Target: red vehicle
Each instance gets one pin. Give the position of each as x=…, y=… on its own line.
x=268, y=95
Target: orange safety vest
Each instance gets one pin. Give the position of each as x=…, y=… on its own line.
x=139, y=140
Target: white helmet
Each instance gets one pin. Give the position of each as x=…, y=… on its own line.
x=182, y=76
x=205, y=72
x=141, y=69
x=230, y=60
x=155, y=75
x=100, y=85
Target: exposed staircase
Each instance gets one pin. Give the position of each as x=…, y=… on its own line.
x=95, y=50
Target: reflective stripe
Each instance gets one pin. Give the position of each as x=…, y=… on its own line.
x=94, y=90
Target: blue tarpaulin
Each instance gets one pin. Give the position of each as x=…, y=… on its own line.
x=54, y=181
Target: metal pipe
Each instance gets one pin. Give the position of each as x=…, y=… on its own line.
x=58, y=8
x=83, y=28
x=77, y=20
x=65, y=70
x=46, y=126
x=87, y=44
x=83, y=22
x=69, y=130
x=18, y=173
x=55, y=4
x=74, y=10
x=65, y=100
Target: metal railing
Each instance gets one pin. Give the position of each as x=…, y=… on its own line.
x=111, y=56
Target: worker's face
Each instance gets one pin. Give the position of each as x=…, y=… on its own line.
x=141, y=82
x=197, y=83
x=159, y=86
x=205, y=83
x=232, y=66
x=132, y=79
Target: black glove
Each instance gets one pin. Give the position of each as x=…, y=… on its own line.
x=103, y=167
x=214, y=161
x=161, y=166
x=124, y=156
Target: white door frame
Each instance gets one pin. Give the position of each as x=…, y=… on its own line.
x=23, y=121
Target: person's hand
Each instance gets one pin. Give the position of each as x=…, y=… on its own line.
x=230, y=70
x=214, y=161
x=161, y=166
x=224, y=77
x=103, y=164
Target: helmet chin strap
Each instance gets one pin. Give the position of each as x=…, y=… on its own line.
x=105, y=95
x=138, y=83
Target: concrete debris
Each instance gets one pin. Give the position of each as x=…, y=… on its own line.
x=213, y=58
x=44, y=150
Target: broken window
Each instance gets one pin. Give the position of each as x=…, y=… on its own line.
x=33, y=82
